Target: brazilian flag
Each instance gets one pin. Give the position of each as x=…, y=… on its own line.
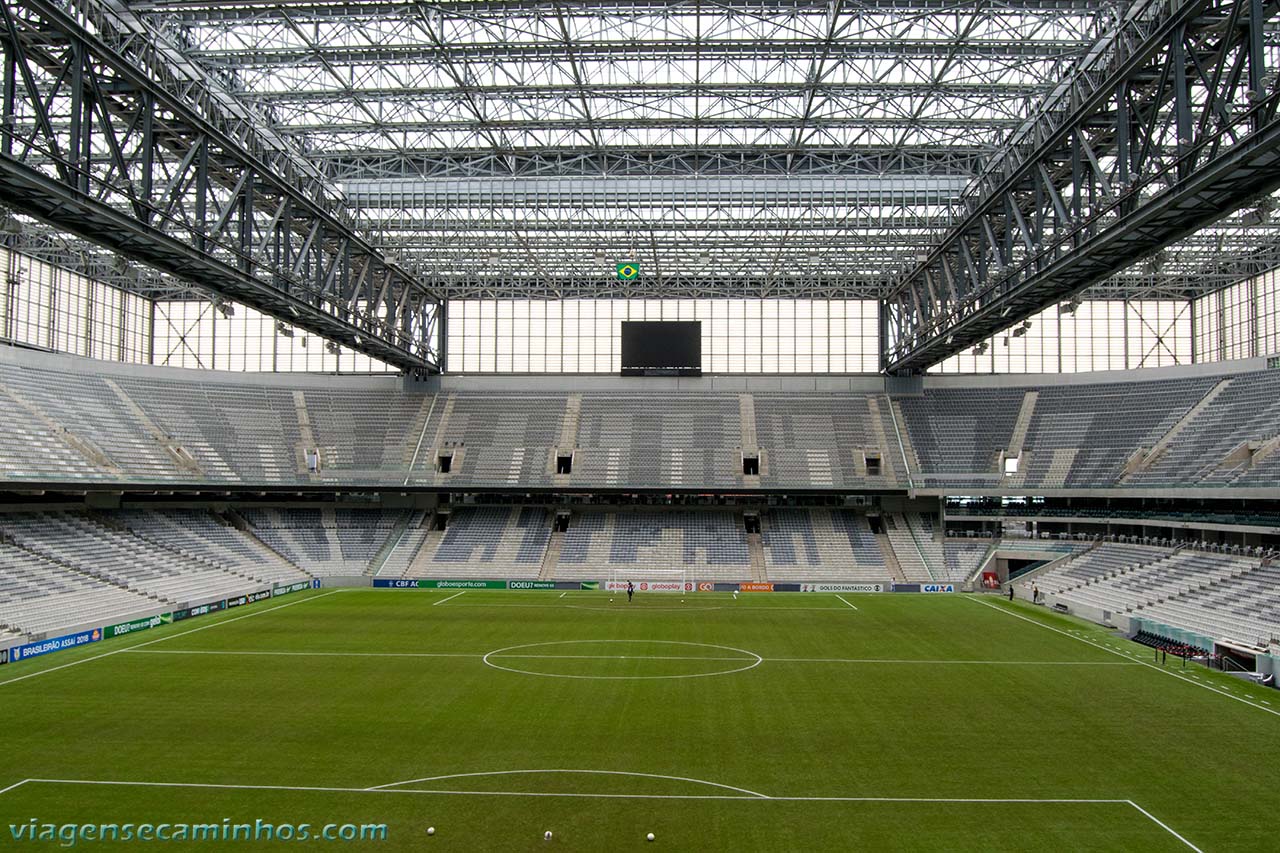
x=628, y=270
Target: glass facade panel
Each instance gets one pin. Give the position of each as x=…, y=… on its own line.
x=1096, y=335
x=196, y=334
x=738, y=335
x=52, y=308
x=1241, y=321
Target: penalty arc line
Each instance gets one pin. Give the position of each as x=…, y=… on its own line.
x=391, y=785
x=450, y=598
x=1102, y=647
x=166, y=638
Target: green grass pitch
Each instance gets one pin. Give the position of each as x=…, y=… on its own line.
x=766, y=722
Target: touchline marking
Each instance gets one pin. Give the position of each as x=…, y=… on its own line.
x=842, y=598
x=1165, y=826
x=754, y=794
x=450, y=598
x=169, y=637
x=1139, y=662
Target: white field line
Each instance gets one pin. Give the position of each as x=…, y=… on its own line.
x=744, y=795
x=478, y=656
x=1117, y=653
x=450, y=598
x=1165, y=827
x=842, y=598
x=14, y=785
x=955, y=662
x=754, y=797
x=650, y=608
x=563, y=594
x=168, y=637
x=582, y=772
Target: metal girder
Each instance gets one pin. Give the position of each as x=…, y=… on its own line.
x=494, y=89
x=106, y=137
x=351, y=163
x=1197, y=267
x=1167, y=126
x=624, y=50
x=251, y=9
x=614, y=192
x=304, y=98
x=674, y=287
x=331, y=133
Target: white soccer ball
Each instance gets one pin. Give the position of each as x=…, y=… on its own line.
x=649, y=837
x=431, y=830
x=547, y=835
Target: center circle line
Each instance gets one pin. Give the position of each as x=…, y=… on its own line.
x=751, y=659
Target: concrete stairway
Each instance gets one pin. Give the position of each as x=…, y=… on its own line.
x=755, y=551
x=551, y=557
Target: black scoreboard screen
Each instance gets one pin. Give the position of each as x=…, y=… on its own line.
x=661, y=348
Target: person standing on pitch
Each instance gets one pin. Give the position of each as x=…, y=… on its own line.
x=631, y=590
x=1011, y=592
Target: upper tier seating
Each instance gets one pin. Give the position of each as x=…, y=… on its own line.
x=680, y=440
x=959, y=433
x=74, y=420
x=821, y=440
x=1244, y=411
x=388, y=423
x=1100, y=426
x=504, y=439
